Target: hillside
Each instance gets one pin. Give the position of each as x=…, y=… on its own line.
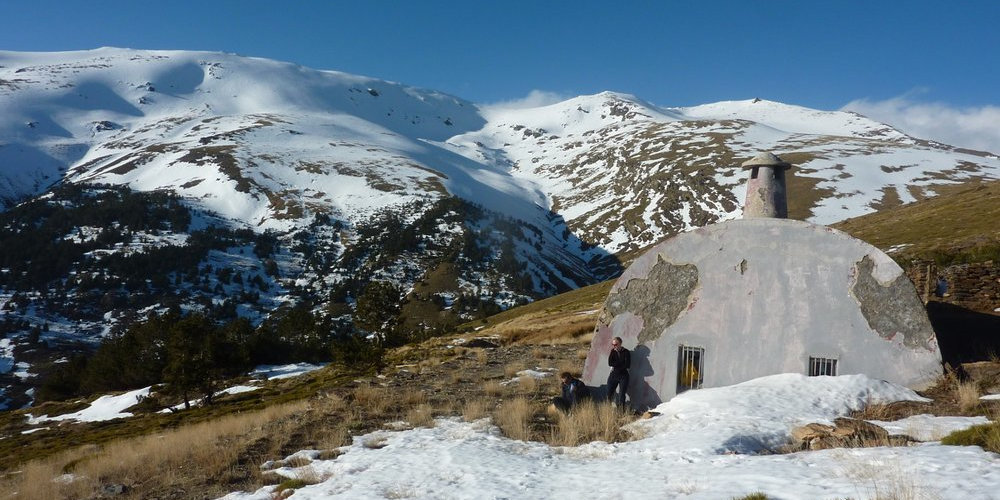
x=256, y=438
x=961, y=225
x=459, y=373
x=243, y=188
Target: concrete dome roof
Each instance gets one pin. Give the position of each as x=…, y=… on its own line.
x=763, y=296
x=766, y=160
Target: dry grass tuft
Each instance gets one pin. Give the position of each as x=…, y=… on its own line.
x=427, y=365
x=482, y=357
x=967, y=394
x=414, y=398
x=590, y=421
x=493, y=388
x=510, y=371
x=527, y=384
x=329, y=403
x=375, y=442
x=476, y=409
x=890, y=411
x=329, y=454
x=373, y=398
x=532, y=329
x=540, y=324
x=569, y=366
x=450, y=406
x=580, y=334
x=296, y=461
x=757, y=495
x=539, y=353
x=329, y=437
x=513, y=417
x=287, y=487
x=875, y=411
x=169, y=453
x=421, y=415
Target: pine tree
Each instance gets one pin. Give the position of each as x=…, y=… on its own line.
x=198, y=355
x=377, y=312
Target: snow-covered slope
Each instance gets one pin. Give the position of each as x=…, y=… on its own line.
x=625, y=174
x=223, y=129
x=795, y=119
x=271, y=143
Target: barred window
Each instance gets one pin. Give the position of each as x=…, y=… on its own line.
x=822, y=366
x=690, y=368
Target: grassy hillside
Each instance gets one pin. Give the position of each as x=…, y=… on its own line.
x=960, y=226
x=571, y=303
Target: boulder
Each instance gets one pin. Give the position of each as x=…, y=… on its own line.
x=809, y=432
x=845, y=433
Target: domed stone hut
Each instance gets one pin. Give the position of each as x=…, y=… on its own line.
x=759, y=296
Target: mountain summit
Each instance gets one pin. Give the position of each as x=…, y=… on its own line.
x=271, y=144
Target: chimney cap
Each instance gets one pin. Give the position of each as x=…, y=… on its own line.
x=766, y=160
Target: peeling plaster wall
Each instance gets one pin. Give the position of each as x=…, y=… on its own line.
x=892, y=307
x=761, y=296
x=659, y=298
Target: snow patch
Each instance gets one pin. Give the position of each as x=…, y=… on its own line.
x=276, y=372
x=101, y=409
x=704, y=436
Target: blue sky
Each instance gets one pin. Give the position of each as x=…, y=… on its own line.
x=908, y=61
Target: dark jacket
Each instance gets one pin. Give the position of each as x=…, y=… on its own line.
x=619, y=361
x=574, y=391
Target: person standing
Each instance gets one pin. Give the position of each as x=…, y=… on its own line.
x=619, y=360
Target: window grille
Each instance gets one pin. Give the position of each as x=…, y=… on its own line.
x=690, y=368
x=822, y=366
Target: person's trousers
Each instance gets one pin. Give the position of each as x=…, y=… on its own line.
x=614, y=381
x=561, y=403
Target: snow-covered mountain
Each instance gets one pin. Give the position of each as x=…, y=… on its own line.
x=343, y=179
x=626, y=174
x=271, y=144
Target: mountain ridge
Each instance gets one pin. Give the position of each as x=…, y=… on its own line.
x=346, y=180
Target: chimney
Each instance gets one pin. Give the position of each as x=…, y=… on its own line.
x=766, y=187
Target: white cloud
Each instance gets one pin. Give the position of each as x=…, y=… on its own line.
x=973, y=127
x=534, y=99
